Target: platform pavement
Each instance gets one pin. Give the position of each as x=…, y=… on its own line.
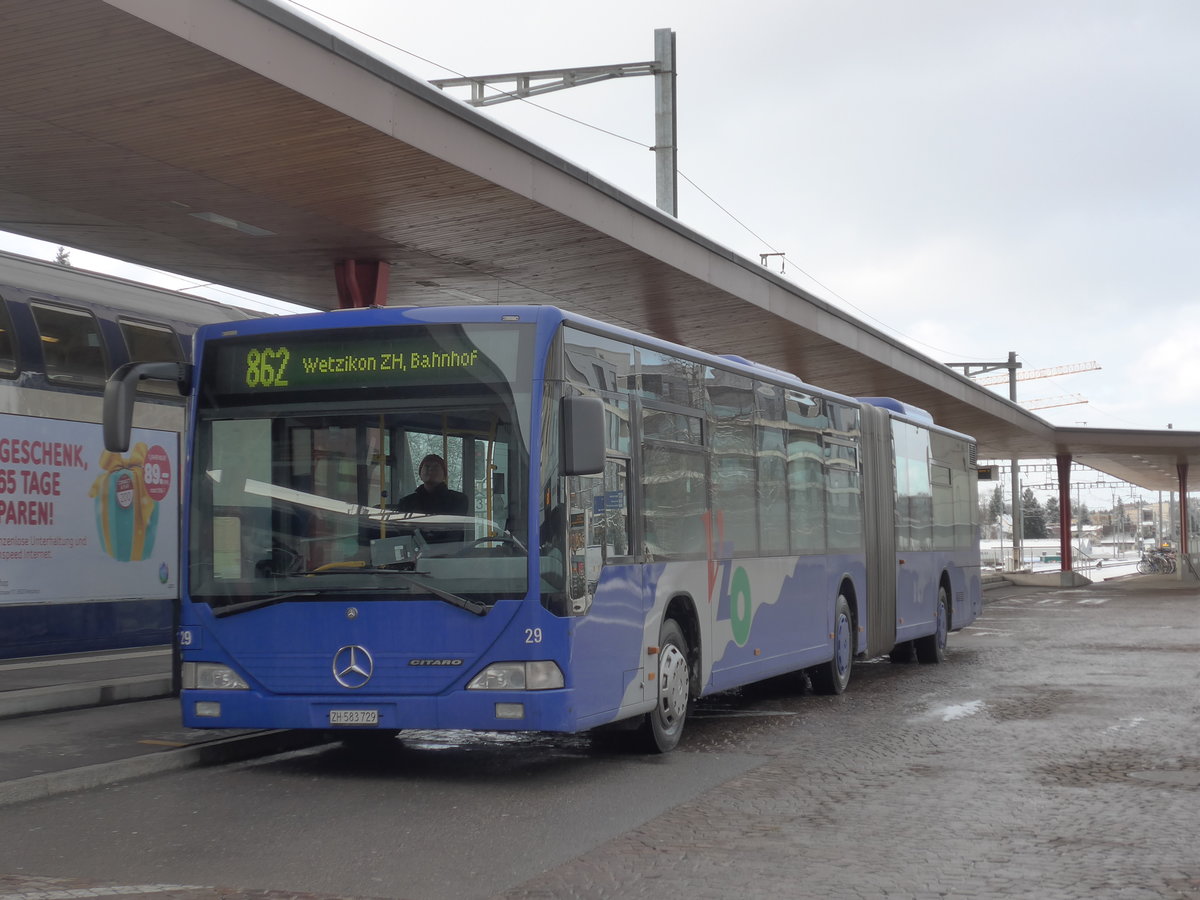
x=80, y=721
x=76, y=680
x=83, y=720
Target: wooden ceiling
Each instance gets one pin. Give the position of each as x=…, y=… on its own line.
x=234, y=142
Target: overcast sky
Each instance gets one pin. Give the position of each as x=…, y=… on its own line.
x=974, y=177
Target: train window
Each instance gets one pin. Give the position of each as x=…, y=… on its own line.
x=8, y=344
x=71, y=345
x=152, y=343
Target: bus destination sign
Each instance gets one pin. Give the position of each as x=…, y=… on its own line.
x=413, y=356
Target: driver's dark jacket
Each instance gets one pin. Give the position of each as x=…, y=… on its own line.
x=440, y=501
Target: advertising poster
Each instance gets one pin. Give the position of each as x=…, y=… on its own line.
x=80, y=523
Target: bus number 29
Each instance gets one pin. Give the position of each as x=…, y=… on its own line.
x=533, y=635
x=267, y=367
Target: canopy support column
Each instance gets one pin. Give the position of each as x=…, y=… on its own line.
x=1064, y=511
x=1067, y=576
x=1183, y=568
x=361, y=282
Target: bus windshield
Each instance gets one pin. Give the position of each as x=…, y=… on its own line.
x=416, y=493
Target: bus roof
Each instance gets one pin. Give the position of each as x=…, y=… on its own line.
x=897, y=406
x=551, y=315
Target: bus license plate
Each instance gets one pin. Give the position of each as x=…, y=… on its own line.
x=354, y=717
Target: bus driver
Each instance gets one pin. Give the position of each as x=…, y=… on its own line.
x=433, y=496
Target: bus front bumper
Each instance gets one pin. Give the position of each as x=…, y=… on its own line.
x=549, y=710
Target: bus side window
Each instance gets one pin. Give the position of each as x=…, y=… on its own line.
x=771, y=451
x=732, y=471
x=8, y=345
x=674, y=500
x=152, y=343
x=610, y=516
x=71, y=345
x=806, y=417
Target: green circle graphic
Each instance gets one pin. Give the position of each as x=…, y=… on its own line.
x=741, y=610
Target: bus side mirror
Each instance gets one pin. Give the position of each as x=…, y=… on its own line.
x=583, y=435
x=121, y=391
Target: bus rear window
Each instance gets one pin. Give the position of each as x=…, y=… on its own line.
x=71, y=345
x=152, y=343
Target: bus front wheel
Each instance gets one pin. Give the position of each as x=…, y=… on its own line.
x=663, y=727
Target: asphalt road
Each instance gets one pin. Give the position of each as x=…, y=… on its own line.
x=1056, y=755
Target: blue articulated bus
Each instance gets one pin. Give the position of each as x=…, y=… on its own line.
x=517, y=518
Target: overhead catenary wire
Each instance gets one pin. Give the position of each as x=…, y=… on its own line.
x=775, y=251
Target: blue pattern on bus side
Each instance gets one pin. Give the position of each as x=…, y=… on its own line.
x=789, y=631
x=607, y=654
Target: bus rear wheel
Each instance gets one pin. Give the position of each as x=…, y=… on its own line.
x=932, y=648
x=833, y=677
x=663, y=726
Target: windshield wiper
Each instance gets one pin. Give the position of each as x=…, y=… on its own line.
x=260, y=602
x=471, y=606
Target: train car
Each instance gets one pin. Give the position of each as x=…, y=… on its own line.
x=89, y=541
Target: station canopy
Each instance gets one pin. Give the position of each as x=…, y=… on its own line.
x=237, y=142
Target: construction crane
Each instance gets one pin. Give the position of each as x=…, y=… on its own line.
x=1052, y=402
x=1029, y=374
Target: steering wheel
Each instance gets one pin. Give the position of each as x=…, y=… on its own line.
x=515, y=547
x=283, y=561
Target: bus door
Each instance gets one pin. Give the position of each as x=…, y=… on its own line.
x=605, y=587
x=916, y=586
x=374, y=464
x=478, y=462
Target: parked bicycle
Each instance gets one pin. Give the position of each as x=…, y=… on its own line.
x=1157, y=562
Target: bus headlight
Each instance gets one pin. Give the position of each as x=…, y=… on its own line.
x=537, y=675
x=211, y=677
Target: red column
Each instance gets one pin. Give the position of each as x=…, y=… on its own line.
x=1064, y=511
x=361, y=282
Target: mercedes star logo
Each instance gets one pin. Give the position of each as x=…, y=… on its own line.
x=352, y=666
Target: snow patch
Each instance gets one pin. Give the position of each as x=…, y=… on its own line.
x=959, y=711
x=1126, y=724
